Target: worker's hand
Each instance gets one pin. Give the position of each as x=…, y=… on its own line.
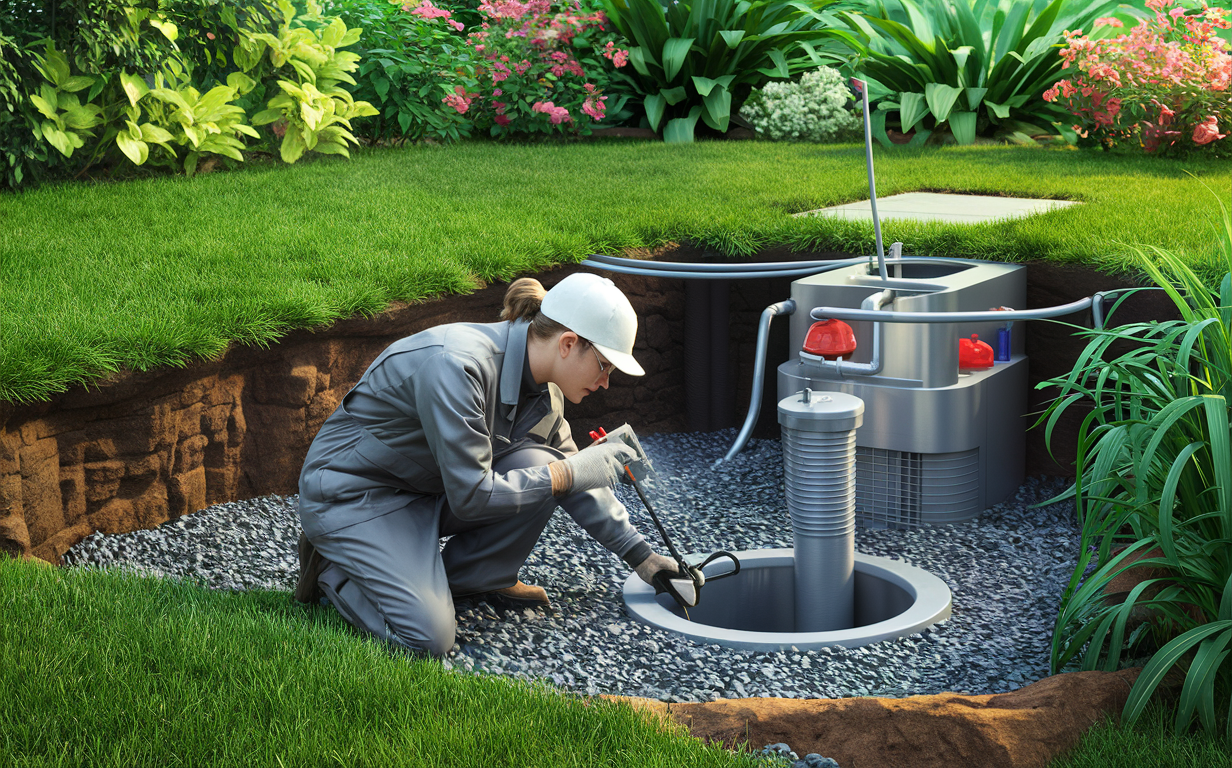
x=653, y=564
x=598, y=465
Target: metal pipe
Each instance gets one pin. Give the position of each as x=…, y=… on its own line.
x=819, y=479
x=844, y=313
x=686, y=271
x=872, y=182
x=896, y=254
x=873, y=367
x=1097, y=310
x=691, y=275
x=726, y=267
x=1097, y=303
x=759, y=365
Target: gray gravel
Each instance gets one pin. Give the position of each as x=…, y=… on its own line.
x=1007, y=569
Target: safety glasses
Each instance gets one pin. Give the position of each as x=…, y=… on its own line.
x=605, y=368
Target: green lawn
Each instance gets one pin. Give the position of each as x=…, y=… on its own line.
x=1151, y=744
x=105, y=669
x=147, y=273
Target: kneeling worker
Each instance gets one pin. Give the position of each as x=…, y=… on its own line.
x=459, y=431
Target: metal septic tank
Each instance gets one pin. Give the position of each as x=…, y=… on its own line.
x=937, y=444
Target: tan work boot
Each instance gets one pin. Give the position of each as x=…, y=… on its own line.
x=311, y=563
x=518, y=596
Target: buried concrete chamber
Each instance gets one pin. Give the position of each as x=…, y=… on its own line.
x=820, y=592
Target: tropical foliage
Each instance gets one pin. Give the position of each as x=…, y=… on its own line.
x=972, y=67
x=313, y=111
x=114, y=90
x=1154, y=491
x=700, y=59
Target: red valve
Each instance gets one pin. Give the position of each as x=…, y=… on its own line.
x=974, y=354
x=830, y=339
x=595, y=434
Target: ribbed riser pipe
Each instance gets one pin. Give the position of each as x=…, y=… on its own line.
x=820, y=475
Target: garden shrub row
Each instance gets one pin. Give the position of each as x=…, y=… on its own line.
x=175, y=83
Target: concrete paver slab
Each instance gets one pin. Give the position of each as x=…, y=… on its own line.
x=933, y=206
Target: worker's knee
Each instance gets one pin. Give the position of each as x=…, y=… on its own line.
x=527, y=456
x=432, y=634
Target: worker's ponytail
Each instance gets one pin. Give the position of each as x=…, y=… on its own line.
x=523, y=298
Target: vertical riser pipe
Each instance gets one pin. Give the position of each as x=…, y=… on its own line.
x=819, y=445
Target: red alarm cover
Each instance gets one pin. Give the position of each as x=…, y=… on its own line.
x=974, y=354
x=830, y=339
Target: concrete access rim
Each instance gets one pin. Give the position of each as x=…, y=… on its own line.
x=932, y=603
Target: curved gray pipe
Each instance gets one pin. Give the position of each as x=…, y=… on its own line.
x=872, y=181
x=723, y=267
x=872, y=367
x=1097, y=303
x=995, y=316
x=759, y=365
x=684, y=271
x=691, y=275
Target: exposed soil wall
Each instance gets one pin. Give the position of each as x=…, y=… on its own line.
x=144, y=448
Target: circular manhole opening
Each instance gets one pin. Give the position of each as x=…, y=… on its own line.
x=755, y=610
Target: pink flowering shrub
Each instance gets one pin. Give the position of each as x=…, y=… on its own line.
x=416, y=69
x=1163, y=85
x=543, y=67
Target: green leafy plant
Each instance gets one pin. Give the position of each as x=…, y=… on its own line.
x=176, y=115
x=100, y=36
x=23, y=155
x=96, y=38
x=67, y=121
x=313, y=112
x=699, y=58
x=179, y=116
x=211, y=31
x=1155, y=476
x=409, y=63
x=974, y=67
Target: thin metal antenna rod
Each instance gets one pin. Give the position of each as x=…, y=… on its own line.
x=872, y=183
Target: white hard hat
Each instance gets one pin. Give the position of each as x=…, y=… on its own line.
x=594, y=308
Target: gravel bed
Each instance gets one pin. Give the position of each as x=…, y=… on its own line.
x=1007, y=570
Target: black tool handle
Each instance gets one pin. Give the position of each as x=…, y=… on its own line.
x=716, y=556
x=662, y=532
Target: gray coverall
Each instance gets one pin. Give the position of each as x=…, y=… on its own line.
x=446, y=434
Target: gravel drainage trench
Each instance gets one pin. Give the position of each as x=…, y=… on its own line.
x=1006, y=568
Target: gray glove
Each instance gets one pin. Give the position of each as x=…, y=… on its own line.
x=653, y=564
x=599, y=466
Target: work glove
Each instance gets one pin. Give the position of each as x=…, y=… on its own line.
x=653, y=564
x=598, y=465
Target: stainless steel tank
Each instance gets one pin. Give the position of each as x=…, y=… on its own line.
x=937, y=445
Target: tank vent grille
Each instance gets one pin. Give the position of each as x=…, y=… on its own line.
x=902, y=490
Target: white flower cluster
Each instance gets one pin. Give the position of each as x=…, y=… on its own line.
x=813, y=109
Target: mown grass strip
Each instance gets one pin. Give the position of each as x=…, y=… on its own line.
x=99, y=277
x=105, y=668
x=1151, y=743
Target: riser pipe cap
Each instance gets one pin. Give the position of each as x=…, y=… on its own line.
x=811, y=411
